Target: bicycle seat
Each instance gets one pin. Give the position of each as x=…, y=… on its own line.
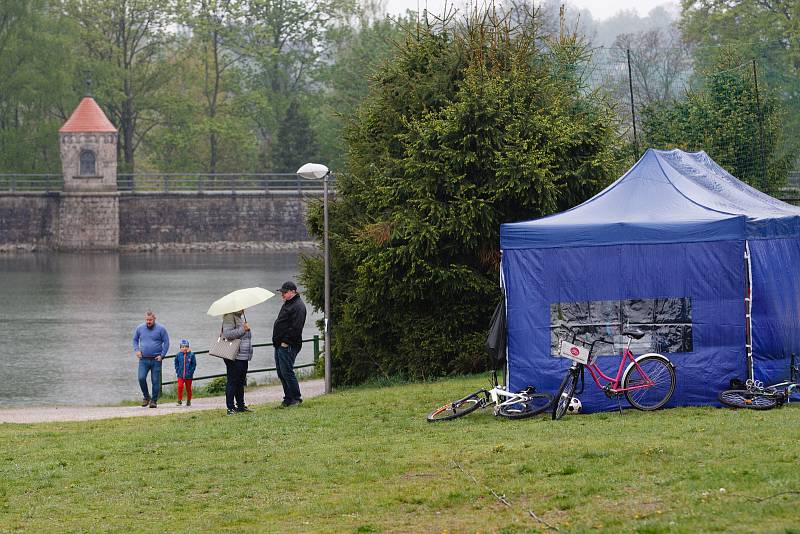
x=635, y=334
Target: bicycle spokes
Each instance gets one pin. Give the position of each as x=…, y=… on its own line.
x=650, y=383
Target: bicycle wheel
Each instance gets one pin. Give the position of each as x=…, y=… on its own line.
x=565, y=393
x=458, y=408
x=660, y=372
x=534, y=405
x=742, y=398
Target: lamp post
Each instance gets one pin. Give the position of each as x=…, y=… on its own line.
x=315, y=171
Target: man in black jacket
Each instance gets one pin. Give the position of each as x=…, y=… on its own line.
x=287, y=337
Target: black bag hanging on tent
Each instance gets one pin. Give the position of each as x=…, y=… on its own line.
x=496, y=340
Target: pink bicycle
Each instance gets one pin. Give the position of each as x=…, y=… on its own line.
x=647, y=382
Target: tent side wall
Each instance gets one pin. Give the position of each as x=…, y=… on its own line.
x=710, y=274
x=776, y=307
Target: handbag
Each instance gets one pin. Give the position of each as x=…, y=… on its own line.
x=226, y=349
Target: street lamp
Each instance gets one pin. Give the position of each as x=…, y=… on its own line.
x=315, y=171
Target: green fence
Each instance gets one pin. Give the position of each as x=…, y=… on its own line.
x=314, y=340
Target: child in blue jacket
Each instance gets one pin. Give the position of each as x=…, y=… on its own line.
x=185, y=364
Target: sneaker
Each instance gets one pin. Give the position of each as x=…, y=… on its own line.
x=188, y=403
x=145, y=403
x=231, y=412
x=244, y=409
x=153, y=404
x=296, y=402
x=180, y=403
x=284, y=404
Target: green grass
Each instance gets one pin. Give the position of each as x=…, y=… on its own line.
x=365, y=460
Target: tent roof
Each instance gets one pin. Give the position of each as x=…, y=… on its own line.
x=668, y=196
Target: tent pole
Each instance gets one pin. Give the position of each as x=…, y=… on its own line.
x=748, y=310
x=505, y=304
x=633, y=110
x=760, y=126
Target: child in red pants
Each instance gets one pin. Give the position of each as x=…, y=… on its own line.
x=185, y=363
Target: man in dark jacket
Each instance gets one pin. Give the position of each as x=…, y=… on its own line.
x=287, y=337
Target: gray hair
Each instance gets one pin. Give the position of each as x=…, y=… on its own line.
x=149, y=313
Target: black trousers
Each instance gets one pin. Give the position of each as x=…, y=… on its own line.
x=234, y=389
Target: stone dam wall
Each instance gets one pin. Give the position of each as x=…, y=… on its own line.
x=153, y=221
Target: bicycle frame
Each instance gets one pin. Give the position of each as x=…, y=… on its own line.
x=789, y=386
x=505, y=403
x=499, y=396
x=614, y=383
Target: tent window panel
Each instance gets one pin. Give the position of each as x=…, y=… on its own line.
x=666, y=321
x=639, y=311
x=571, y=312
x=673, y=311
x=604, y=311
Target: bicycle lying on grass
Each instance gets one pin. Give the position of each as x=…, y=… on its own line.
x=647, y=382
x=519, y=405
x=756, y=396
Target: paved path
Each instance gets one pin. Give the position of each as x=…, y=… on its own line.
x=253, y=397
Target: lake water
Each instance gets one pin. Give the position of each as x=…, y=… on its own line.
x=67, y=319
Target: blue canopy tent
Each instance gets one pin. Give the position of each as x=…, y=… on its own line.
x=674, y=247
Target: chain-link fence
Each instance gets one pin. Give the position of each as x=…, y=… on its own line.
x=739, y=110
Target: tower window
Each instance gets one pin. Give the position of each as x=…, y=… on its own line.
x=87, y=163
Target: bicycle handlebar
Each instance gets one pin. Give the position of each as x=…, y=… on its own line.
x=591, y=345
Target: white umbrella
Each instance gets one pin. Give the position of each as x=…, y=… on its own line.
x=239, y=300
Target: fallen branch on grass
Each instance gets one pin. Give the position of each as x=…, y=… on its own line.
x=502, y=498
x=756, y=499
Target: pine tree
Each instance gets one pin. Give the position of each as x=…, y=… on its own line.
x=472, y=125
x=296, y=142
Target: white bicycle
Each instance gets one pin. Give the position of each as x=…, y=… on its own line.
x=519, y=405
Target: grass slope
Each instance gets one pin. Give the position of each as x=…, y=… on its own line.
x=365, y=460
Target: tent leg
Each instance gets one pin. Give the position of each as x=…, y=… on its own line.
x=748, y=310
x=619, y=405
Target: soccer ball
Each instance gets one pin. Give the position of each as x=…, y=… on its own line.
x=574, y=406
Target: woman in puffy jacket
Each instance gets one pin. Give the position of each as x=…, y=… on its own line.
x=234, y=326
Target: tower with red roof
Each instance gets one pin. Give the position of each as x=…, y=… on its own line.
x=88, y=143
x=89, y=207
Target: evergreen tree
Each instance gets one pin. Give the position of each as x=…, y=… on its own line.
x=296, y=142
x=472, y=125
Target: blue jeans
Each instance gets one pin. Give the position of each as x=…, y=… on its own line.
x=284, y=364
x=150, y=365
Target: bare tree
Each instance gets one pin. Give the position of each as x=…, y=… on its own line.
x=660, y=63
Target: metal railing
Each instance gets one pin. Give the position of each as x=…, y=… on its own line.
x=314, y=340
x=173, y=182
x=224, y=182
x=36, y=183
